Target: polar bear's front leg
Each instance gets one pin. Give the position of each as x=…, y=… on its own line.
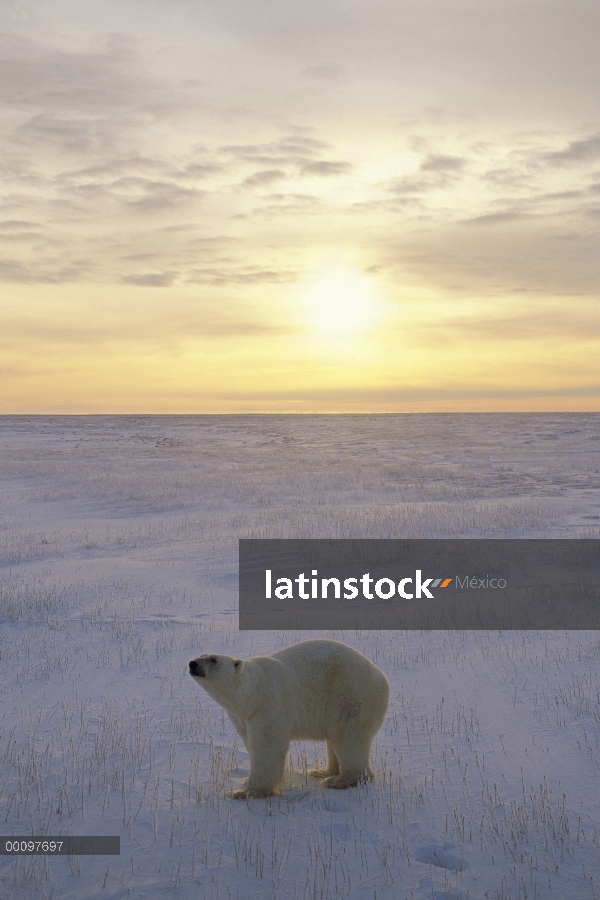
x=268, y=751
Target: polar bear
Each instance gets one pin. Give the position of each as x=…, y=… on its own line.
x=317, y=690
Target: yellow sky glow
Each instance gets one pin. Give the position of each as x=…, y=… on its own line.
x=287, y=211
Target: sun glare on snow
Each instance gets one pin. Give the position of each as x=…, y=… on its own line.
x=339, y=303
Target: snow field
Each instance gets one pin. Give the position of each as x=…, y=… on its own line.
x=118, y=564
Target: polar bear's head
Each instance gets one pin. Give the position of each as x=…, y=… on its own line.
x=231, y=682
x=215, y=669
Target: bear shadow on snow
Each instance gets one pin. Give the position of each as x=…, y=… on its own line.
x=316, y=690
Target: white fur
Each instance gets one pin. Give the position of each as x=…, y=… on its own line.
x=315, y=690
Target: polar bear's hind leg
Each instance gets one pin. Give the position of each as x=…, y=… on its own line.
x=353, y=753
x=332, y=767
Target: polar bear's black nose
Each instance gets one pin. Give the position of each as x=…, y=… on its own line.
x=196, y=668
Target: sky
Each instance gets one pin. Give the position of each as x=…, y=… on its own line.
x=223, y=206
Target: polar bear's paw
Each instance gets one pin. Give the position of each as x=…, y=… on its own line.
x=336, y=781
x=341, y=782
x=245, y=793
x=320, y=773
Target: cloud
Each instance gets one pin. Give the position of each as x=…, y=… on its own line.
x=16, y=224
x=241, y=275
x=288, y=204
x=552, y=205
x=266, y=176
x=156, y=196
x=509, y=56
x=320, y=167
x=138, y=194
x=200, y=170
x=117, y=166
x=539, y=256
x=410, y=186
x=16, y=271
x=497, y=218
x=577, y=152
x=294, y=149
x=301, y=144
x=19, y=230
x=139, y=257
x=25, y=236
x=68, y=135
x=150, y=279
x=436, y=171
x=441, y=163
x=325, y=168
x=32, y=74
x=508, y=177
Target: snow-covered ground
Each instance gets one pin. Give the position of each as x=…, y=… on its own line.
x=118, y=564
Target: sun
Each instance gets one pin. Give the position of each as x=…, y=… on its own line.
x=339, y=303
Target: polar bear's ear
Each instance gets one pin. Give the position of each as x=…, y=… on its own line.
x=237, y=664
